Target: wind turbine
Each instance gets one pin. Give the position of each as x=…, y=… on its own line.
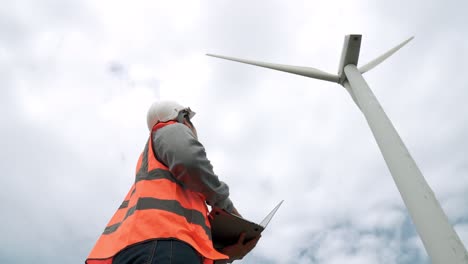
x=439, y=238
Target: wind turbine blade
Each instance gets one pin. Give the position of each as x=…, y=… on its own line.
x=304, y=71
x=370, y=65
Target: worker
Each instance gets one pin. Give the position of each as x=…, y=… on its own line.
x=164, y=217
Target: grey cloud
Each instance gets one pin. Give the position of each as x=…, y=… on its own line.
x=345, y=241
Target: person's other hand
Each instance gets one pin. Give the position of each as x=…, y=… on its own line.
x=240, y=249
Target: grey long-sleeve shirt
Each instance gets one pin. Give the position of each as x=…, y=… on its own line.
x=176, y=146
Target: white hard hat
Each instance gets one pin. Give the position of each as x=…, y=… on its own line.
x=163, y=111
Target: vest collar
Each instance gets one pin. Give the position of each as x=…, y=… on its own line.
x=162, y=124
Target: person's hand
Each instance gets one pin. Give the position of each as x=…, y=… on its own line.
x=240, y=249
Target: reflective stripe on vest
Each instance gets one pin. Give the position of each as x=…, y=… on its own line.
x=156, y=206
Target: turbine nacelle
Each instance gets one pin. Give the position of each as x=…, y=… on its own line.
x=349, y=55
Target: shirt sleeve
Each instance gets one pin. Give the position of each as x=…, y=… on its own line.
x=176, y=146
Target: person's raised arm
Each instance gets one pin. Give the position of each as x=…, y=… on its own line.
x=177, y=147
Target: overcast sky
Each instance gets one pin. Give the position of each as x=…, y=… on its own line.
x=77, y=77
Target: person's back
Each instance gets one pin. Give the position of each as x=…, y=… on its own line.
x=163, y=218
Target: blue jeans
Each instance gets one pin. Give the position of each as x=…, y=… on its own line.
x=159, y=252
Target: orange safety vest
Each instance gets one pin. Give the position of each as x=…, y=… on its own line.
x=156, y=207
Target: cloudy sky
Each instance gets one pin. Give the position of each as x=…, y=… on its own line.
x=76, y=78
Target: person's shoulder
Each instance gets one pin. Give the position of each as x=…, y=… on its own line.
x=171, y=130
x=173, y=127
x=176, y=134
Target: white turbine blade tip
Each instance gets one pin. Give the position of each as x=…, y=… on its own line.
x=213, y=55
x=218, y=56
x=370, y=65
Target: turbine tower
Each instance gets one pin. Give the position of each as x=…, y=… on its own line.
x=439, y=238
